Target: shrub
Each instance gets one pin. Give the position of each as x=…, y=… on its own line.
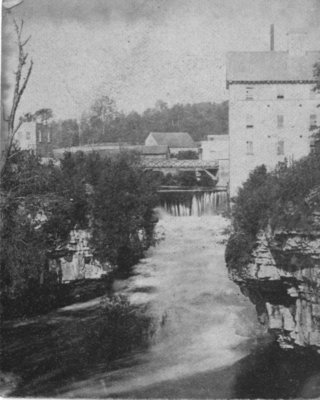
x=275, y=198
x=125, y=326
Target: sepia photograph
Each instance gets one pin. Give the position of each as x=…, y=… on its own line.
x=160, y=199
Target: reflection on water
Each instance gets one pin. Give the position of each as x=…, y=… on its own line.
x=207, y=342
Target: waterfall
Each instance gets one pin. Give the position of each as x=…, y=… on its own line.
x=197, y=204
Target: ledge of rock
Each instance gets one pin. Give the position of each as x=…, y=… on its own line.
x=282, y=279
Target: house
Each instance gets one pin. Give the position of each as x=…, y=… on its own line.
x=35, y=137
x=272, y=106
x=176, y=141
x=216, y=148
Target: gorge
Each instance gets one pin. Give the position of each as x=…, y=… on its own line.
x=282, y=279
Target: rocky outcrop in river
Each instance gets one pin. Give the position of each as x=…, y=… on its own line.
x=282, y=279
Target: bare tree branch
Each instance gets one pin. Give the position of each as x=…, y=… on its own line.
x=20, y=85
x=26, y=41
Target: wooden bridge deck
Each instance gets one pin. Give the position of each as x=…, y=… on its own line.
x=180, y=164
x=194, y=189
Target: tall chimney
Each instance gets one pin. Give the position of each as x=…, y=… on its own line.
x=272, y=37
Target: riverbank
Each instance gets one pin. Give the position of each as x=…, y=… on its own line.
x=205, y=340
x=273, y=253
x=201, y=322
x=45, y=300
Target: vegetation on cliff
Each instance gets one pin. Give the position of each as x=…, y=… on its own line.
x=41, y=204
x=276, y=199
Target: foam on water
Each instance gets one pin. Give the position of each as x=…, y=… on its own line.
x=205, y=203
x=199, y=311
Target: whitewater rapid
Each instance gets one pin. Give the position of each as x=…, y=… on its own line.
x=203, y=321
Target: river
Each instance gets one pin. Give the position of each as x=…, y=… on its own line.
x=207, y=343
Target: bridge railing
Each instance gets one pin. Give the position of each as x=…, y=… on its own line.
x=180, y=164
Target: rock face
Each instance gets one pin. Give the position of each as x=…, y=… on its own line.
x=79, y=263
x=283, y=280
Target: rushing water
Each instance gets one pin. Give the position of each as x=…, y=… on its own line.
x=204, y=322
x=207, y=343
x=194, y=203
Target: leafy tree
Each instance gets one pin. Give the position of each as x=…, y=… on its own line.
x=122, y=211
x=316, y=129
x=102, y=113
x=278, y=199
x=37, y=214
x=316, y=74
x=65, y=133
x=103, y=123
x=44, y=114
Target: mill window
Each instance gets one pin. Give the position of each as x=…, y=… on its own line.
x=39, y=136
x=280, y=93
x=249, y=93
x=280, y=148
x=249, y=148
x=313, y=121
x=280, y=121
x=249, y=121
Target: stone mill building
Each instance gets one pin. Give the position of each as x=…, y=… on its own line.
x=272, y=106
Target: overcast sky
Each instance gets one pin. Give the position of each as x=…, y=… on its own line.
x=139, y=51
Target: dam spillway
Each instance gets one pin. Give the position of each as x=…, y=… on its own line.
x=194, y=203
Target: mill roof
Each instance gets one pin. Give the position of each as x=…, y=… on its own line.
x=173, y=139
x=269, y=66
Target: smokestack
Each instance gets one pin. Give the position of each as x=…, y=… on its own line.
x=272, y=37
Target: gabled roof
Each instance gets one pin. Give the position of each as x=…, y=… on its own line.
x=173, y=139
x=270, y=66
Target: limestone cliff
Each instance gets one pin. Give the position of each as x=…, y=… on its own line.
x=282, y=279
x=79, y=262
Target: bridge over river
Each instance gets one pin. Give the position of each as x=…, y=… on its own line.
x=173, y=165
x=184, y=165
x=190, y=200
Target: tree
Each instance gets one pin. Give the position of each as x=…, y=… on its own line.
x=123, y=219
x=37, y=216
x=316, y=130
x=316, y=74
x=44, y=114
x=22, y=76
x=103, y=110
x=70, y=133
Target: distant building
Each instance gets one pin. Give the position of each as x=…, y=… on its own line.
x=272, y=106
x=35, y=137
x=216, y=148
x=176, y=141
